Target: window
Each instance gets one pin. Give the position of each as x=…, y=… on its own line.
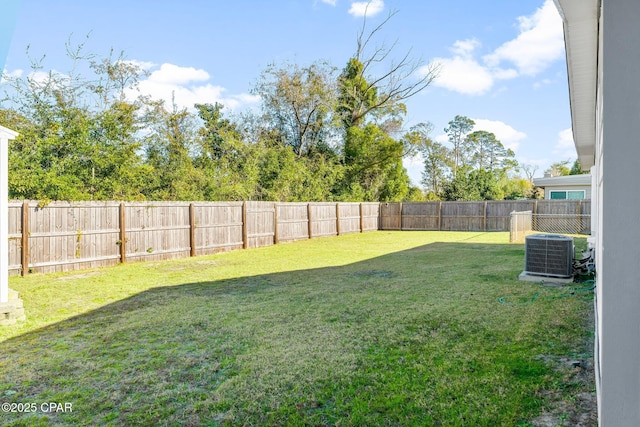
x=563, y=195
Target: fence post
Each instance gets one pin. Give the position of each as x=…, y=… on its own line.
x=579, y=222
x=244, y=225
x=338, y=219
x=192, y=229
x=123, y=234
x=275, y=223
x=400, y=216
x=440, y=215
x=25, y=239
x=484, y=218
x=309, y=224
x=361, y=219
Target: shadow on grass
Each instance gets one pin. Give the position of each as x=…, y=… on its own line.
x=410, y=338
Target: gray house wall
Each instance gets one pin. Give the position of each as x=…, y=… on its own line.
x=618, y=240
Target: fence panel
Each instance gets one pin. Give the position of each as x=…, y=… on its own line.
x=391, y=216
x=421, y=216
x=67, y=236
x=499, y=212
x=371, y=216
x=562, y=224
x=218, y=227
x=463, y=216
x=157, y=231
x=323, y=219
x=563, y=207
x=260, y=224
x=293, y=221
x=349, y=217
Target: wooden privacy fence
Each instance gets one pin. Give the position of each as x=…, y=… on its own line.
x=65, y=236
x=492, y=215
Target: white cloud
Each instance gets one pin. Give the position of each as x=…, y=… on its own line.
x=15, y=73
x=368, y=8
x=174, y=74
x=442, y=138
x=143, y=65
x=329, y=2
x=463, y=75
x=539, y=43
x=465, y=48
x=565, y=147
x=187, y=86
x=507, y=135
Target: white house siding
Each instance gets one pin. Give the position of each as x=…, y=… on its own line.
x=596, y=227
x=5, y=136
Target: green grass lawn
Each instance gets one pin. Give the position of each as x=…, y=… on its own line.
x=381, y=328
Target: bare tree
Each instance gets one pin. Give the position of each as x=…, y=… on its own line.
x=362, y=93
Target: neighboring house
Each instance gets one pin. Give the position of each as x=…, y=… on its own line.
x=602, y=39
x=565, y=187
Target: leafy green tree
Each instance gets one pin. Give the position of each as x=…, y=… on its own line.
x=470, y=184
x=299, y=103
x=457, y=130
x=229, y=164
x=489, y=153
x=374, y=163
x=558, y=169
x=515, y=188
x=482, y=144
x=436, y=157
x=78, y=136
x=576, y=169
x=170, y=145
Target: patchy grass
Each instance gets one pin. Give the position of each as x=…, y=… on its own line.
x=383, y=328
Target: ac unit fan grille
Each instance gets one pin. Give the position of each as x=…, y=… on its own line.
x=549, y=255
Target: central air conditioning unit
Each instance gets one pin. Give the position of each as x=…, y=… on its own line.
x=548, y=255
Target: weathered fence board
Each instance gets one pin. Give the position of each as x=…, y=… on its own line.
x=462, y=216
x=349, y=218
x=157, y=231
x=421, y=216
x=325, y=219
x=217, y=227
x=260, y=224
x=370, y=216
x=293, y=221
x=391, y=216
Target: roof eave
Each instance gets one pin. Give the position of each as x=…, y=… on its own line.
x=7, y=133
x=580, y=18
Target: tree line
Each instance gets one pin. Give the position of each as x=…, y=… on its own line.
x=321, y=133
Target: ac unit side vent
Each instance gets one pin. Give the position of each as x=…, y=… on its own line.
x=549, y=255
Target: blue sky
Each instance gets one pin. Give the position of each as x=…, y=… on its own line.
x=502, y=61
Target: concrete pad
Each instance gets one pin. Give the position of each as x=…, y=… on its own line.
x=545, y=280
